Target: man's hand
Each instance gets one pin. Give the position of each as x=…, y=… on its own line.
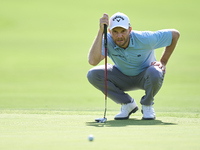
x=103, y=20
x=160, y=65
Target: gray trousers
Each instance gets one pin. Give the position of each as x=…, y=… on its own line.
x=149, y=80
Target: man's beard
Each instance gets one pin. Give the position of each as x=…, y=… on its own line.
x=123, y=42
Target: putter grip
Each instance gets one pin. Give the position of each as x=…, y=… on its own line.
x=105, y=35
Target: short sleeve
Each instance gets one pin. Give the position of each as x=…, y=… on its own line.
x=161, y=38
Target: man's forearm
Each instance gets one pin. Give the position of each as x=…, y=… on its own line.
x=95, y=55
x=169, y=49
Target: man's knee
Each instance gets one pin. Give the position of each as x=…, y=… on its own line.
x=94, y=75
x=90, y=75
x=155, y=74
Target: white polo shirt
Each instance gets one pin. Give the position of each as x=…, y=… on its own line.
x=140, y=52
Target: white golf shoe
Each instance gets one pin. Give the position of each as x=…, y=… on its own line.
x=148, y=112
x=127, y=110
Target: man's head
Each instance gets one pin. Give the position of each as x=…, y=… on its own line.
x=119, y=20
x=120, y=29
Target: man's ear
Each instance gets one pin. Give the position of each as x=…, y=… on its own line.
x=130, y=29
x=109, y=30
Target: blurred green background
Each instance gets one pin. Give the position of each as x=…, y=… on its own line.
x=44, y=46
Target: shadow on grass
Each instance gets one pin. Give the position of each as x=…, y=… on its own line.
x=129, y=122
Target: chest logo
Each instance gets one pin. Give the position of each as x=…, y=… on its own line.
x=118, y=56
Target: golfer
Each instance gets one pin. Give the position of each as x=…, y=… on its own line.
x=135, y=66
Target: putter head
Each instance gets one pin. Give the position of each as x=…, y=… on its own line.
x=101, y=120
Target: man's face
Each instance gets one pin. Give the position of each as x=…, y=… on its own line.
x=121, y=36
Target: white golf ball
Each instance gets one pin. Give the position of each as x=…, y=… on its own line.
x=90, y=137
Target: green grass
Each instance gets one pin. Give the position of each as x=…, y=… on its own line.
x=26, y=129
x=46, y=101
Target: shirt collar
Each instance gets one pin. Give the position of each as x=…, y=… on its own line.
x=131, y=42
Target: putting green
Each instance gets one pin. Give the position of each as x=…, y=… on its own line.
x=25, y=129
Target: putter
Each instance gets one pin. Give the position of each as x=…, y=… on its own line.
x=104, y=119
